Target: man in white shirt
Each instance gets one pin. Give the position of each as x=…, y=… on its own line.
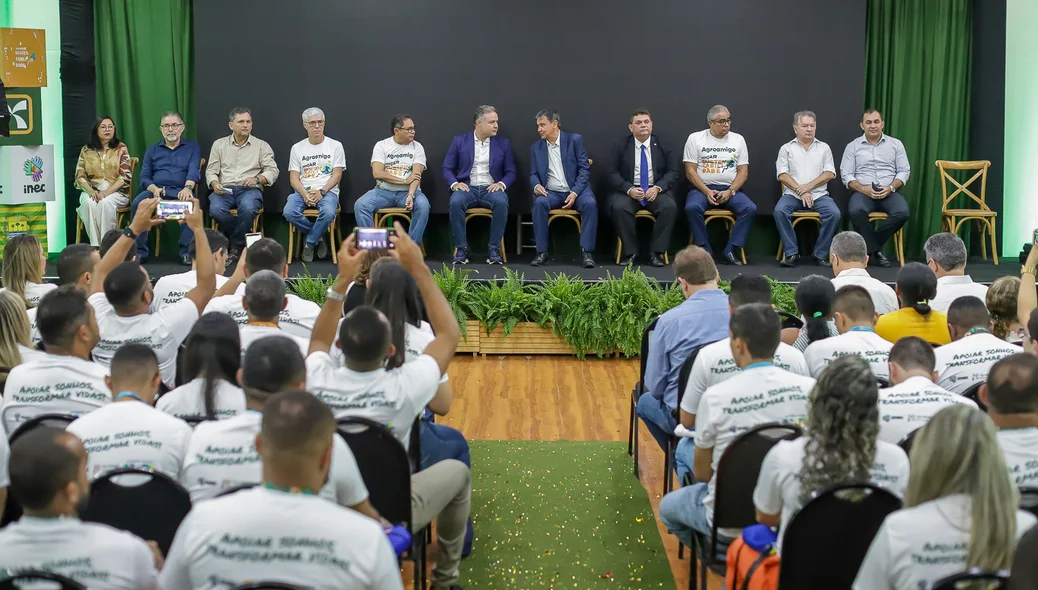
x=855, y=320
x=64, y=381
x=718, y=164
x=395, y=398
x=75, y=267
x=49, y=480
x=804, y=167
x=946, y=257
x=310, y=542
x=967, y=359
x=397, y=163
x=121, y=295
x=913, y=397
x=760, y=393
x=1011, y=396
x=264, y=301
x=171, y=288
x=849, y=257
x=130, y=432
x=315, y=167
x=265, y=254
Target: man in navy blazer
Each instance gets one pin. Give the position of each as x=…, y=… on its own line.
x=479, y=168
x=559, y=174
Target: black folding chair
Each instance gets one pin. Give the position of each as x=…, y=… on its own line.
x=386, y=470
x=906, y=443
x=237, y=488
x=152, y=509
x=846, y=516
x=1029, y=500
x=269, y=586
x=789, y=320
x=193, y=421
x=13, y=510
x=670, y=452
x=34, y=577
x=882, y=383
x=994, y=580
x=736, y=477
x=973, y=393
x=639, y=389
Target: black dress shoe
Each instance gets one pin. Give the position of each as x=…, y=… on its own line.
x=540, y=260
x=657, y=260
x=628, y=260
x=790, y=261
x=587, y=260
x=729, y=258
x=822, y=261
x=880, y=259
x=185, y=260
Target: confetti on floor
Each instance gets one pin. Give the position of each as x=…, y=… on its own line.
x=561, y=514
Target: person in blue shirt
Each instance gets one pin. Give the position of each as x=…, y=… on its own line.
x=170, y=170
x=701, y=319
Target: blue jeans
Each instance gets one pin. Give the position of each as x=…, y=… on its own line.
x=247, y=200
x=682, y=512
x=380, y=198
x=186, y=235
x=439, y=442
x=478, y=196
x=585, y=204
x=741, y=205
x=824, y=206
x=685, y=457
x=325, y=216
x=658, y=418
x=894, y=205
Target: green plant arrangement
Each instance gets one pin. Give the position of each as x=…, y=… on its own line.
x=311, y=287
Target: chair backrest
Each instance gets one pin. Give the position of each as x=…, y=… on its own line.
x=973, y=393
x=643, y=359
x=193, y=421
x=737, y=473
x=384, y=466
x=981, y=166
x=13, y=510
x=237, y=488
x=995, y=580
x=906, y=443
x=686, y=371
x=152, y=510
x=34, y=577
x=833, y=519
x=133, y=168
x=269, y=586
x=790, y=320
x=1029, y=500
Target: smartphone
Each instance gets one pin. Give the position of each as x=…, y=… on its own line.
x=173, y=209
x=876, y=187
x=1034, y=238
x=373, y=238
x=252, y=238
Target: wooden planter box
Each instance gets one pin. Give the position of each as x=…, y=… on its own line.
x=470, y=341
x=527, y=338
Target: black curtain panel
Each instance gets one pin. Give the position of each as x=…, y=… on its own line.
x=78, y=95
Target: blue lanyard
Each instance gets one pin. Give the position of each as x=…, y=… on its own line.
x=861, y=329
x=126, y=394
x=760, y=364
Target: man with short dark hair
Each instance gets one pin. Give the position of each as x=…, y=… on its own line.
x=109, y=239
x=75, y=267
x=315, y=167
x=966, y=360
x=49, y=480
x=336, y=548
x=913, y=396
x=849, y=256
x=1011, y=395
x=265, y=298
x=171, y=288
x=946, y=257
x=855, y=319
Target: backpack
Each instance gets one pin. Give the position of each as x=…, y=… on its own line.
x=752, y=562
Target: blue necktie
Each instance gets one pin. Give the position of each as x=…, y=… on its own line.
x=644, y=176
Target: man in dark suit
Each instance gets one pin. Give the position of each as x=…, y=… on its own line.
x=479, y=167
x=642, y=174
x=559, y=171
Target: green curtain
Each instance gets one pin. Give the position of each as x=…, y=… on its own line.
x=917, y=73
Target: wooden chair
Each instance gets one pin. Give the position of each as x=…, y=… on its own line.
x=472, y=214
x=384, y=218
x=256, y=225
x=642, y=214
x=120, y=212
x=952, y=219
x=899, y=236
x=158, y=231
x=729, y=220
x=333, y=231
x=799, y=216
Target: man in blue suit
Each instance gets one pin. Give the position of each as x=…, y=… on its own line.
x=479, y=167
x=559, y=171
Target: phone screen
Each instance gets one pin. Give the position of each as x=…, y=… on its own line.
x=1034, y=239
x=252, y=238
x=173, y=209
x=373, y=238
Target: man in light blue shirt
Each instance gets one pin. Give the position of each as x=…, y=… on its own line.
x=701, y=319
x=875, y=166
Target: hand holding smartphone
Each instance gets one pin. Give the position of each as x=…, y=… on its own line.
x=252, y=238
x=173, y=209
x=373, y=238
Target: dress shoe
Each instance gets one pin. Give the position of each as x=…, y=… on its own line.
x=657, y=260
x=822, y=261
x=308, y=253
x=729, y=258
x=540, y=260
x=880, y=259
x=628, y=260
x=494, y=256
x=322, y=249
x=790, y=261
x=461, y=256
x=185, y=259
x=587, y=260
x=233, y=257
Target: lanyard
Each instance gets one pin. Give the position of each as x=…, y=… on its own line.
x=977, y=330
x=289, y=490
x=756, y=365
x=861, y=329
x=266, y=324
x=130, y=394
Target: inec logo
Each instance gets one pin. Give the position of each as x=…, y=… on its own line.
x=34, y=167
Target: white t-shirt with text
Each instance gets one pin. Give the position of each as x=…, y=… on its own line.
x=172, y=288
x=35, y=291
x=864, y=343
x=315, y=163
x=186, y=401
x=34, y=331
x=717, y=160
x=1020, y=448
x=5, y=456
x=56, y=384
x=252, y=333
x=398, y=159
x=416, y=339
x=965, y=362
x=297, y=318
x=909, y=405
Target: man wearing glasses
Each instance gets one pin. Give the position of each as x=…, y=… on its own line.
x=170, y=170
x=397, y=163
x=717, y=164
x=315, y=167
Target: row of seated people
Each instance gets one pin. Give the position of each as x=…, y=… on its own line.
x=642, y=172
x=110, y=345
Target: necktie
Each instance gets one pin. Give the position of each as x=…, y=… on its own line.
x=644, y=176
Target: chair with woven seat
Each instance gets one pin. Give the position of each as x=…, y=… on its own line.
x=899, y=236
x=641, y=214
x=471, y=214
x=799, y=216
x=952, y=219
x=334, y=234
x=120, y=212
x=729, y=220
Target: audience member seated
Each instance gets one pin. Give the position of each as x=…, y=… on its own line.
x=357, y=290
x=209, y=362
x=315, y=167
x=701, y=319
x=65, y=381
x=478, y=169
x=103, y=175
x=1027, y=299
x=854, y=317
x=265, y=254
x=913, y=396
x=1025, y=561
x=732, y=407
x=75, y=267
x=294, y=435
x=121, y=295
x=840, y=444
x=960, y=508
x=171, y=288
x=49, y=479
x=171, y=169
x=946, y=257
x=109, y=240
x=5, y=479
x=25, y=262
x=1001, y=301
x=814, y=298
x=130, y=432
x=1011, y=396
x=967, y=360
x=240, y=166
x=397, y=163
x=396, y=397
x=916, y=286
x=850, y=257
x=264, y=301
x=15, y=341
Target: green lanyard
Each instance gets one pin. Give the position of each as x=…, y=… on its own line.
x=977, y=330
x=289, y=490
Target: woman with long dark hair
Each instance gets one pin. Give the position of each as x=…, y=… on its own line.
x=916, y=286
x=103, y=175
x=209, y=359
x=814, y=298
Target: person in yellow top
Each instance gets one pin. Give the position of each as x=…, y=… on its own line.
x=916, y=286
x=103, y=176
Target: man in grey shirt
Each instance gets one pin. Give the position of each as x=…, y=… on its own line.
x=875, y=166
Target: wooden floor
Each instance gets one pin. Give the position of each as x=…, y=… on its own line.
x=558, y=398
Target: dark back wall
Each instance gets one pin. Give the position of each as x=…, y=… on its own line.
x=362, y=62
x=988, y=98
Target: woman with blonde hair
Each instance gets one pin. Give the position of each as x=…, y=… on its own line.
x=960, y=508
x=103, y=174
x=15, y=345
x=1001, y=302
x=24, y=264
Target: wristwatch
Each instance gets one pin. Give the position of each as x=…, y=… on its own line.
x=333, y=294
x=323, y=192
x=1027, y=270
x=129, y=233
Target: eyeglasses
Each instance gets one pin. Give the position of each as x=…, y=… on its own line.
x=407, y=129
x=107, y=127
x=318, y=123
x=171, y=126
x=727, y=121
